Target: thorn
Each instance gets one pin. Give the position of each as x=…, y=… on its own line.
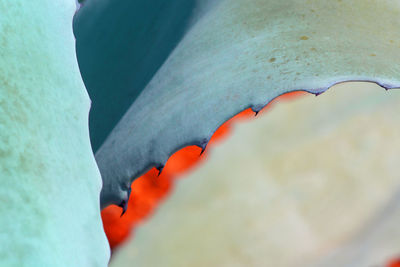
x=256, y=109
x=160, y=169
x=203, y=146
x=124, y=206
x=124, y=203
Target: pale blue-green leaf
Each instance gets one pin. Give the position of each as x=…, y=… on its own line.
x=240, y=54
x=50, y=184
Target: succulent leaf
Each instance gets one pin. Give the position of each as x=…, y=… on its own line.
x=50, y=184
x=315, y=184
x=240, y=54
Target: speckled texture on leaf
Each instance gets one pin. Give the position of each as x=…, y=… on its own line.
x=49, y=181
x=240, y=54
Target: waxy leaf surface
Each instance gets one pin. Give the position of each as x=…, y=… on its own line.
x=239, y=54
x=49, y=181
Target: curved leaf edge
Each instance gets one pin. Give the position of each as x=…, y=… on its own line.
x=202, y=142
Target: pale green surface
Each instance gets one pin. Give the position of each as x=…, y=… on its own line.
x=50, y=184
x=378, y=242
x=240, y=54
x=287, y=189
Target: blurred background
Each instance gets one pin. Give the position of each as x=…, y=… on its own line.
x=310, y=181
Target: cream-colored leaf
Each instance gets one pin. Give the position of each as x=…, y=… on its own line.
x=306, y=184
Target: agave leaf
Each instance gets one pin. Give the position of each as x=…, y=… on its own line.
x=50, y=184
x=310, y=187
x=242, y=54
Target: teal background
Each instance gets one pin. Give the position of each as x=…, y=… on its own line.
x=120, y=50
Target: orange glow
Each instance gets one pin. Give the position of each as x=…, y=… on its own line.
x=394, y=263
x=149, y=190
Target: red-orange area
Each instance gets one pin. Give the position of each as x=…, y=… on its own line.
x=394, y=263
x=149, y=190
